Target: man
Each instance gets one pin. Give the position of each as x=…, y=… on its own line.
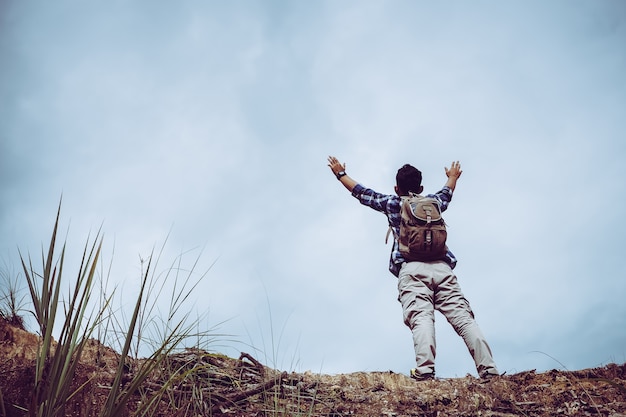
x=424, y=287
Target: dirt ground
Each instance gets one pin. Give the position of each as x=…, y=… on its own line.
x=213, y=384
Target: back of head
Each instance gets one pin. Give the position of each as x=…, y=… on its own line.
x=408, y=179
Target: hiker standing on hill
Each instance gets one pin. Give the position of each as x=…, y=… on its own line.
x=427, y=284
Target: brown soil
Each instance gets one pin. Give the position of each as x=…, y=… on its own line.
x=217, y=385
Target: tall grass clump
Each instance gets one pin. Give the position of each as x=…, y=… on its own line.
x=79, y=315
x=56, y=364
x=161, y=332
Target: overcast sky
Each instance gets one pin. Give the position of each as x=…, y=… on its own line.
x=211, y=121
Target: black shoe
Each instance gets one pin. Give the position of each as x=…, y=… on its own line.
x=421, y=377
x=489, y=377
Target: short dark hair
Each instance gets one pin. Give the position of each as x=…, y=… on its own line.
x=408, y=179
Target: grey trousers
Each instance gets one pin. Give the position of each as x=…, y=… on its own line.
x=424, y=287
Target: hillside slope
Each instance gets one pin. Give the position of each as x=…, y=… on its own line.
x=212, y=384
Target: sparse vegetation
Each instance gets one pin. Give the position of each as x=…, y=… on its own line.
x=78, y=375
x=12, y=299
x=56, y=362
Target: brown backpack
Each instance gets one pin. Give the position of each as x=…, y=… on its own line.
x=422, y=229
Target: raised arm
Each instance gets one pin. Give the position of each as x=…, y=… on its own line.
x=453, y=173
x=339, y=170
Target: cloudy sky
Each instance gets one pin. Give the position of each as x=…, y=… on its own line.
x=210, y=122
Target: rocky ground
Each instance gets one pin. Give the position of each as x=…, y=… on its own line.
x=212, y=384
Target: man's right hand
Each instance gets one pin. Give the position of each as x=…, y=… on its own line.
x=454, y=170
x=453, y=173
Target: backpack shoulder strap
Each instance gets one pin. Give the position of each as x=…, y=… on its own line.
x=390, y=230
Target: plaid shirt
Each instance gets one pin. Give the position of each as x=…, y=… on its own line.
x=390, y=206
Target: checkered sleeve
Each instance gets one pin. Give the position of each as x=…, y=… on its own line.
x=384, y=203
x=444, y=196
